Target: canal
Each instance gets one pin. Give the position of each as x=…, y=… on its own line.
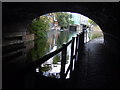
x=54, y=40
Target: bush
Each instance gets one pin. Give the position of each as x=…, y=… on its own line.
x=39, y=26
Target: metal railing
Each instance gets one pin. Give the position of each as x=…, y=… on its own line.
x=75, y=47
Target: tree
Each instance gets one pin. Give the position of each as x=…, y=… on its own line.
x=39, y=26
x=71, y=21
x=63, y=19
x=92, y=22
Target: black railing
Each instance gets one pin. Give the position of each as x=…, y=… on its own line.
x=75, y=54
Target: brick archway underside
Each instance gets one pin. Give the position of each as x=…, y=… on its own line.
x=16, y=16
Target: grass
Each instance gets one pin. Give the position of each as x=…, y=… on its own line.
x=96, y=34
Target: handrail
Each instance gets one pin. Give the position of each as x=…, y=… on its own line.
x=79, y=43
x=79, y=46
x=48, y=56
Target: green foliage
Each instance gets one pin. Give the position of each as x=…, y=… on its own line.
x=56, y=59
x=39, y=26
x=71, y=16
x=63, y=19
x=92, y=22
x=46, y=68
x=71, y=22
x=63, y=38
x=40, y=48
x=96, y=36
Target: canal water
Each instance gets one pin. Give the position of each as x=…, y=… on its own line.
x=40, y=47
x=55, y=40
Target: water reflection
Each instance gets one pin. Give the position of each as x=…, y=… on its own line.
x=55, y=39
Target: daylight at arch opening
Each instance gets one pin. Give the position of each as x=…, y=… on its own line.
x=51, y=31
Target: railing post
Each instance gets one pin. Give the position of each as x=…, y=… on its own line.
x=83, y=35
x=76, y=50
x=72, y=54
x=86, y=35
x=76, y=47
x=63, y=62
x=80, y=44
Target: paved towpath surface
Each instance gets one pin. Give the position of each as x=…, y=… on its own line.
x=98, y=67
